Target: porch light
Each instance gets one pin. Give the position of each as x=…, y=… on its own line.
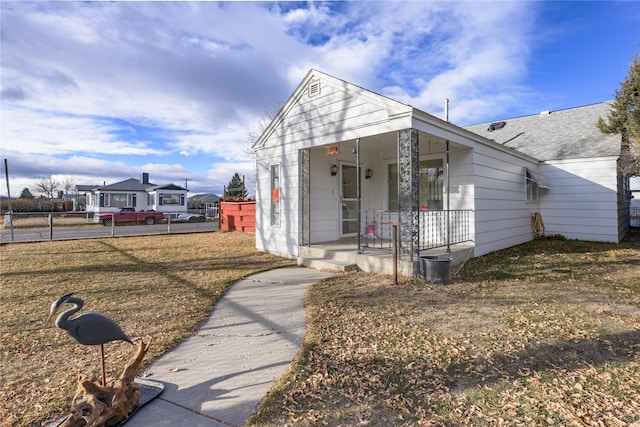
x=334, y=170
x=368, y=174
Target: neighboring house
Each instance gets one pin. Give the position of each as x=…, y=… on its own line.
x=205, y=203
x=141, y=194
x=339, y=161
x=201, y=201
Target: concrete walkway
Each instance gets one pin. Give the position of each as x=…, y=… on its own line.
x=219, y=376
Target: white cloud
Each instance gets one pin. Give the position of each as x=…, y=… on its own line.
x=27, y=131
x=76, y=75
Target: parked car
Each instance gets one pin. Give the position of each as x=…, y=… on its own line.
x=187, y=217
x=129, y=214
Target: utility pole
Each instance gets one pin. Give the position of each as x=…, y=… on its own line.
x=6, y=171
x=186, y=183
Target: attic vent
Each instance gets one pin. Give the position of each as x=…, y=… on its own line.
x=496, y=126
x=314, y=88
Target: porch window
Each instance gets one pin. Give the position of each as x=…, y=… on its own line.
x=275, y=195
x=431, y=185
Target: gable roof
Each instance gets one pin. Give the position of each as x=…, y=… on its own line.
x=165, y=187
x=555, y=135
x=322, y=104
x=204, y=197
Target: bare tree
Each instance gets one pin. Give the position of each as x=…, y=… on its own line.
x=67, y=184
x=253, y=135
x=47, y=186
x=263, y=123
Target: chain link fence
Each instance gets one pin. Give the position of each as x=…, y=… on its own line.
x=25, y=227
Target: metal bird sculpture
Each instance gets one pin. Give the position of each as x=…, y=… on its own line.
x=88, y=328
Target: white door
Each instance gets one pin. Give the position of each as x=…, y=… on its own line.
x=348, y=200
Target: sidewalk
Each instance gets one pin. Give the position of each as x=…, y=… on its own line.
x=219, y=376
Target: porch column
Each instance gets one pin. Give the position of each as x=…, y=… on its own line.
x=409, y=191
x=305, y=197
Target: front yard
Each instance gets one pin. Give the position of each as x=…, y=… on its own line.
x=547, y=333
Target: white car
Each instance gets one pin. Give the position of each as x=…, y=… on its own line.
x=187, y=217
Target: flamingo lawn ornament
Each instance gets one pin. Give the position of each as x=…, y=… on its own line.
x=88, y=328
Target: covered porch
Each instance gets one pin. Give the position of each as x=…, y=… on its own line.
x=354, y=192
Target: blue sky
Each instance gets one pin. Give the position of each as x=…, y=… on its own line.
x=103, y=91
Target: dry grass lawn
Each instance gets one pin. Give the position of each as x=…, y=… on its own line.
x=159, y=287
x=546, y=333
x=543, y=334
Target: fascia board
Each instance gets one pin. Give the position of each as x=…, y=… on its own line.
x=448, y=131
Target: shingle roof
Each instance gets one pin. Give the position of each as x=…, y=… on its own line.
x=204, y=197
x=555, y=135
x=164, y=187
x=81, y=187
x=130, y=184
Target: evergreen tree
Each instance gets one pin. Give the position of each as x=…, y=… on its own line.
x=235, y=189
x=624, y=118
x=26, y=194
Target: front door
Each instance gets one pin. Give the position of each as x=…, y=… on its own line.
x=348, y=199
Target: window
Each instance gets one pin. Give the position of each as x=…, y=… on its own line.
x=117, y=200
x=431, y=184
x=151, y=199
x=170, y=199
x=275, y=195
x=532, y=187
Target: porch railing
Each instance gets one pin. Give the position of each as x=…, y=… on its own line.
x=435, y=226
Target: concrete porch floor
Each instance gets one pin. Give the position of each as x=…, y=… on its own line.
x=343, y=256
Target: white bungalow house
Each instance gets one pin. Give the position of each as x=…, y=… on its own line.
x=340, y=166
x=139, y=193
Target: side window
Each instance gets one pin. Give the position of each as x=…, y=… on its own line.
x=531, y=187
x=275, y=195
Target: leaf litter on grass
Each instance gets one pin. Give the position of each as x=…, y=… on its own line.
x=545, y=333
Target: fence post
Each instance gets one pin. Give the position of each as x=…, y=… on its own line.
x=113, y=224
x=50, y=222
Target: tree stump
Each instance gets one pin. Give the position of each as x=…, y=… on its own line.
x=97, y=406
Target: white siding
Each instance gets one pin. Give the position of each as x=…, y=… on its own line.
x=282, y=239
x=502, y=214
x=582, y=199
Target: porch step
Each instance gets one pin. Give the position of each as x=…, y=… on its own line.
x=322, y=259
x=324, y=264
x=343, y=257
